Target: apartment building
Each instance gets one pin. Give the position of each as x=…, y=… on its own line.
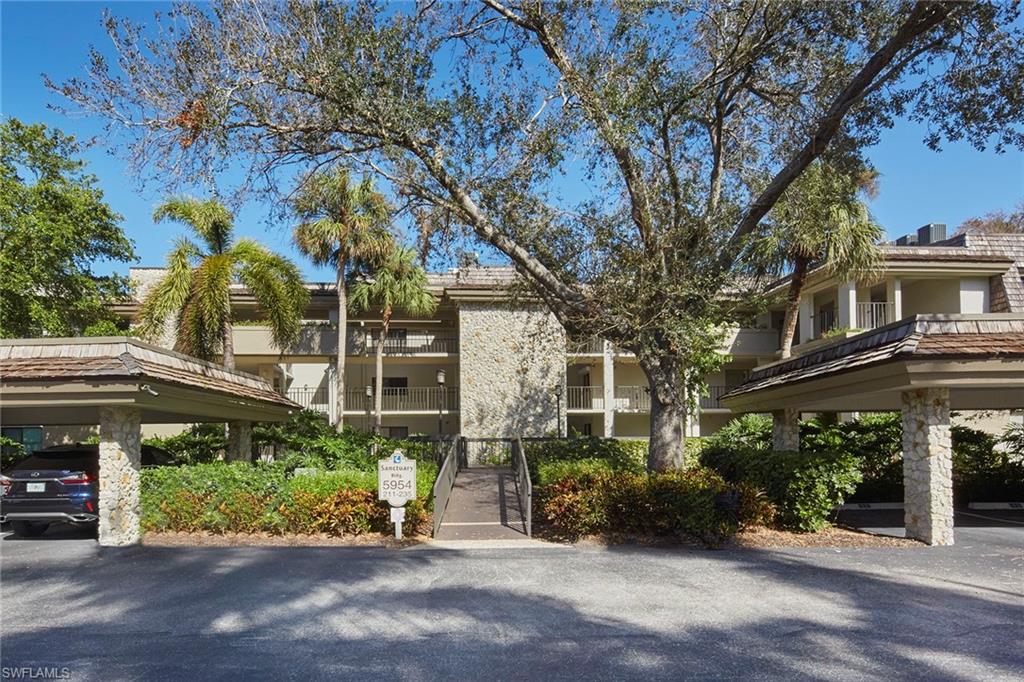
x=490, y=364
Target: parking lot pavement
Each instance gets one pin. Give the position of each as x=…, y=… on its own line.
x=585, y=612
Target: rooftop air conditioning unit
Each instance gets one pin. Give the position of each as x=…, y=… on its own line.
x=931, y=233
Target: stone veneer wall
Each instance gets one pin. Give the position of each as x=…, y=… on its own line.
x=120, y=466
x=927, y=466
x=512, y=370
x=142, y=280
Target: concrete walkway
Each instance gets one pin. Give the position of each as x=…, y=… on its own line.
x=484, y=505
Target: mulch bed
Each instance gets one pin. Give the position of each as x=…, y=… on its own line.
x=750, y=538
x=204, y=539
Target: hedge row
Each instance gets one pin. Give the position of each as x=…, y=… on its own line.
x=248, y=498
x=985, y=468
x=592, y=496
x=622, y=454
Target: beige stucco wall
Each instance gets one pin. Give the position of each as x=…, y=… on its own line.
x=512, y=370
x=931, y=296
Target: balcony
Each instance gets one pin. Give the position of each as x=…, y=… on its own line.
x=875, y=314
x=321, y=338
x=412, y=399
x=632, y=399
x=591, y=346
x=585, y=398
x=403, y=342
x=712, y=401
x=393, y=400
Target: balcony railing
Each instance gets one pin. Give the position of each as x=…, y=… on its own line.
x=825, y=321
x=632, y=398
x=311, y=398
x=585, y=397
x=875, y=314
x=402, y=343
x=412, y=399
x=712, y=401
x=591, y=346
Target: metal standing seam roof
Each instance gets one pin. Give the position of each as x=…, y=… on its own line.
x=27, y=360
x=919, y=337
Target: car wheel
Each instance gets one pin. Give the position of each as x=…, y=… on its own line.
x=28, y=530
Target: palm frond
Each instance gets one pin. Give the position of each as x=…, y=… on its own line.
x=168, y=296
x=208, y=218
x=319, y=240
x=397, y=283
x=342, y=220
x=209, y=306
x=276, y=284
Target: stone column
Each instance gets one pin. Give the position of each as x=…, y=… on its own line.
x=608, y=377
x=786, y=430
x=239, y=441
x=120, y=466
x=927, y=466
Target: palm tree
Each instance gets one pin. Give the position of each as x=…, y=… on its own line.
x=343, y=224
x=822, y=221
x=394, y=283
x=195, y=292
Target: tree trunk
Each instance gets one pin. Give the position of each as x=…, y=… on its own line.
x=339, y=367
x=796, y=288
x=228, y=342
x=666, y=449
x=378, y=399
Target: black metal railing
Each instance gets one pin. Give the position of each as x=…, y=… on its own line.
x=402, y=343
x=524, y=486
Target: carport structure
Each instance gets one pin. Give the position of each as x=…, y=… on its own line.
x=923, y=366
x=119, y=384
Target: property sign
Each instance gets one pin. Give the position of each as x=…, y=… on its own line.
x=396, y=479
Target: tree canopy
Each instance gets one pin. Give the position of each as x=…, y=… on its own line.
x=621, y=156
x=54, y=229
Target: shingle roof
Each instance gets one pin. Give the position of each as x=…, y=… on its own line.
x=24, y=360
x=921, y=336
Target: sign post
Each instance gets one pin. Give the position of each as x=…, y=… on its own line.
x=396, y=483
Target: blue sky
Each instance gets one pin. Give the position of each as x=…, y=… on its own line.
x=918, y=186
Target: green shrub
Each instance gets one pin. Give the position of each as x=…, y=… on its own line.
x=622, y=455
x=247, y=498
x=549, y=472
x=805, y=487
x=591, y=496
x=11, y=452
x=201, y=443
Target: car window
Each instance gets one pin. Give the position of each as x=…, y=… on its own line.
x=61, y=461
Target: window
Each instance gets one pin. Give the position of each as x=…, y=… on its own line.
x=30, y=437
x=399, y=432
x=588, y=429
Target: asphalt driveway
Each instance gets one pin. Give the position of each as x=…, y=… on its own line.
x=423, y=613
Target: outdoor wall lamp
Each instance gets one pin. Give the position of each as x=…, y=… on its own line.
x=440, y=403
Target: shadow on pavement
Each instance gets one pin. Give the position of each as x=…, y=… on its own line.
x=629, y=612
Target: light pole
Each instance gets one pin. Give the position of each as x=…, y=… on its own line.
x=369, y=399
x=558, y=412
x=440, y=403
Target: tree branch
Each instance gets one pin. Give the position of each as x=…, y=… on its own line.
x=924, y=17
